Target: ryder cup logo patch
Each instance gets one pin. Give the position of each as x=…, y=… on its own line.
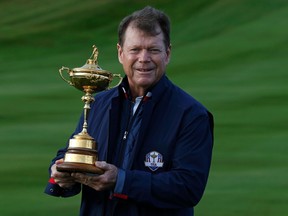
x=154, y=160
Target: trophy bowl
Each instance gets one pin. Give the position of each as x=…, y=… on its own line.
x=90, y=75
x=82, y=153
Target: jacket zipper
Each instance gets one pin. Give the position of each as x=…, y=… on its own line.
x=128, y=127
x=125, y=135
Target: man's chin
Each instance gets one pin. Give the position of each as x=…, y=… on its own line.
x=145, y=83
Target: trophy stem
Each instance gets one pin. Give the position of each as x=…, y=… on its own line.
x=88, y=99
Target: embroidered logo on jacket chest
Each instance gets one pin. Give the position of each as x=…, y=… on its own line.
x=154, y=160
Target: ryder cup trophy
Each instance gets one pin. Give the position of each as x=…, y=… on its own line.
x=82, y=154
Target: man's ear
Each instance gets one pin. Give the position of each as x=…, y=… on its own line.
x=120, y=52
x=168, y=54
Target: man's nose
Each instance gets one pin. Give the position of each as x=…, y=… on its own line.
x=144, y=56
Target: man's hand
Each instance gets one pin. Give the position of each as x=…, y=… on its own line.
x=102, y=182
x=63, y=179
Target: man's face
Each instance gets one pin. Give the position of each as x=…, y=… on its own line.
x=144, y=59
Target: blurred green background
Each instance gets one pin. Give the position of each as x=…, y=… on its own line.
x=230, y=55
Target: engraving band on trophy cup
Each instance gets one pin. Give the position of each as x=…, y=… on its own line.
x=82, y=153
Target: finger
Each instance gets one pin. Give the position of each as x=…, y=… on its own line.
x=53, y=167
x=65, y=184
x=62, y=175
x=81, y=178
x=65, y=181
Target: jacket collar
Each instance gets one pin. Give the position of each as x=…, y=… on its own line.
x=156, y=90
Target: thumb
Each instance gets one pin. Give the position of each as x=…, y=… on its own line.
x=102, y=164
x=59, y=161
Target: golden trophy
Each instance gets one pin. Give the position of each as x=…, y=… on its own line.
x=82, y=153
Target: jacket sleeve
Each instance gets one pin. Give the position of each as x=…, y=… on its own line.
x=183, y=185
x=53, y=189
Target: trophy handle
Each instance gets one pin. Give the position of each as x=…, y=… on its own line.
x=120, y=80
x=61, y=70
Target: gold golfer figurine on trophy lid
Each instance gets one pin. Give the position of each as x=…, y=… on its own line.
x=82, y=153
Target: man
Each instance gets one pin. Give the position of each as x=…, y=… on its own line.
x=154, y=140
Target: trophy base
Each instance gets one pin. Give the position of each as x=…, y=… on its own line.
x=78, y=167
x=81, y=155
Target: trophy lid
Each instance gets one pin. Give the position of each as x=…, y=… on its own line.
x=92, y=66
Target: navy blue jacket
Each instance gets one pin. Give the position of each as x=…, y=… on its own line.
x=176, y=126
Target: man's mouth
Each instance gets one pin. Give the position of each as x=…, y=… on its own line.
x=144, y=69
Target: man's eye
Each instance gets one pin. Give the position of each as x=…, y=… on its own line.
x=155, y=51
x=134, y=50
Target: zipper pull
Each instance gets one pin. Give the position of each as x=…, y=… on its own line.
x=125, y=135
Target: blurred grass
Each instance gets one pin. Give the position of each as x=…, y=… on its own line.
x=230, y=55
